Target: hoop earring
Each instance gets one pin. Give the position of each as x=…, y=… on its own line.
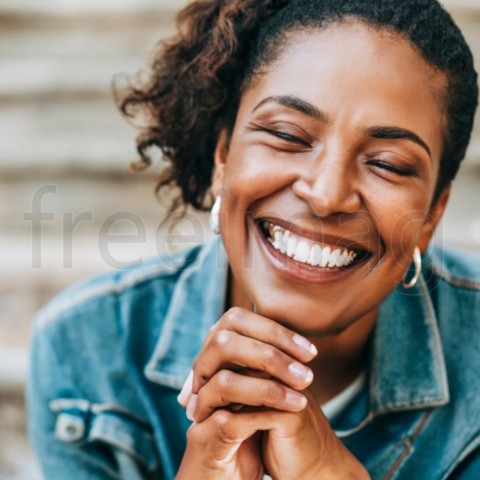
x=215, y=216
x=417, y=260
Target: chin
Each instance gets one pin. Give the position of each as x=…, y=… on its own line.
x=301, y=317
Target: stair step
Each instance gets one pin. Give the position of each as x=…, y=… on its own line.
x=71, y=7
x=95, y=6
x=17, y=460
x=115, y=35
x=81, y=134
x=58, y=77
x=13, y=368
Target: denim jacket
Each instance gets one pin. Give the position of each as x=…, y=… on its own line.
x=110, y=356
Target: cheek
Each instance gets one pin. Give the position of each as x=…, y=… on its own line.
x=253, y=172
x=400, y=222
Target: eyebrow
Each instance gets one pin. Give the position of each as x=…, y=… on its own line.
x=296, y=103
x=397, y=133
x=383, y=133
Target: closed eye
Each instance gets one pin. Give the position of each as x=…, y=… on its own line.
x=404, y=172
x=287, y=137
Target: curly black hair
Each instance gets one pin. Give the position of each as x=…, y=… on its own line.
x=197, y=77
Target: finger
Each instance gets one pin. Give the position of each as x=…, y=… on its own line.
x=227, y=387
x=191, y=407
x=223, y=432
x=186, y=391
x=220, y=436
x=250, y=372
x=223, y=428
x=228, y=348
x=253, y=325
x=185, y=394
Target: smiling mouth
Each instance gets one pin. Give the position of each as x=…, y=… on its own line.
x=310, y=253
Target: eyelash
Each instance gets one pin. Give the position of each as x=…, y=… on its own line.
x=404, y=172
x=287, y=137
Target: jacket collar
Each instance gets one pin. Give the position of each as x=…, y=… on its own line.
x=407, y=368
x=197, y=302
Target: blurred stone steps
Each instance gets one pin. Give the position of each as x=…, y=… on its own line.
x=53, y=77
x=55, y=89
x=90, y=6
x=71, y=7
x=69, y=133
x=16, y=457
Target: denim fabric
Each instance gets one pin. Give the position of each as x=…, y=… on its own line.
x=110, y=356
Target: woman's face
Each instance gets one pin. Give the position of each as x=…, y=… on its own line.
x=328, y=176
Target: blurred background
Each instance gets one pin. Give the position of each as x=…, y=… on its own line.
x=69, y=208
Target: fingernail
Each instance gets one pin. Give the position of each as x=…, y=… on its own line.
x=186, y=390
x=192, y=405
x=296, y=400
x=305, y=344
x=301, y=371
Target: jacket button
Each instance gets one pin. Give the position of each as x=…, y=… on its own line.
x=69, y=428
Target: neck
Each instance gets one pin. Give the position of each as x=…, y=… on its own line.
x=341, y=357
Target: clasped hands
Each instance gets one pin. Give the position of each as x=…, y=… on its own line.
x=247, y=395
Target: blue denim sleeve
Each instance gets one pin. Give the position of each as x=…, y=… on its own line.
x=72, y=436
x=58, y=460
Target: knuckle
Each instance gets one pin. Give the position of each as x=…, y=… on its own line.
x=232, y=316
x=224, y=379
x=225, y=425
x=221, y=338
x=275, y=393
x=280, y=335
x=197, y=434
x=222, y=418
x=268, y=355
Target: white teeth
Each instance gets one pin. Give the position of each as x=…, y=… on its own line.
x=317, y=255
x=284, y=243
x=278, y=239
x=305, y=251
x=312, y=256
x=302, y=251
x=292, y=243
x=332, y=261
x=325, y=257
x=336, y=258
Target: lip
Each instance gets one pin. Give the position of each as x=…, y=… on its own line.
x=324, y=239
x=302, y=272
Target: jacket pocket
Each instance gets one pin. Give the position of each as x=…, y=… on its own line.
x=112, y=428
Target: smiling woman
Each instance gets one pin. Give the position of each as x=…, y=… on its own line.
x=324, y=337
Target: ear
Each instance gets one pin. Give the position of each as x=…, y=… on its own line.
x=435, y=214
x=220, y=157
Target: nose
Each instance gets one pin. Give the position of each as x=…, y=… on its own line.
x=330, y=186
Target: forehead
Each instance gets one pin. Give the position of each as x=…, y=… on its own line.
x=356, y=44
x=360, y=73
